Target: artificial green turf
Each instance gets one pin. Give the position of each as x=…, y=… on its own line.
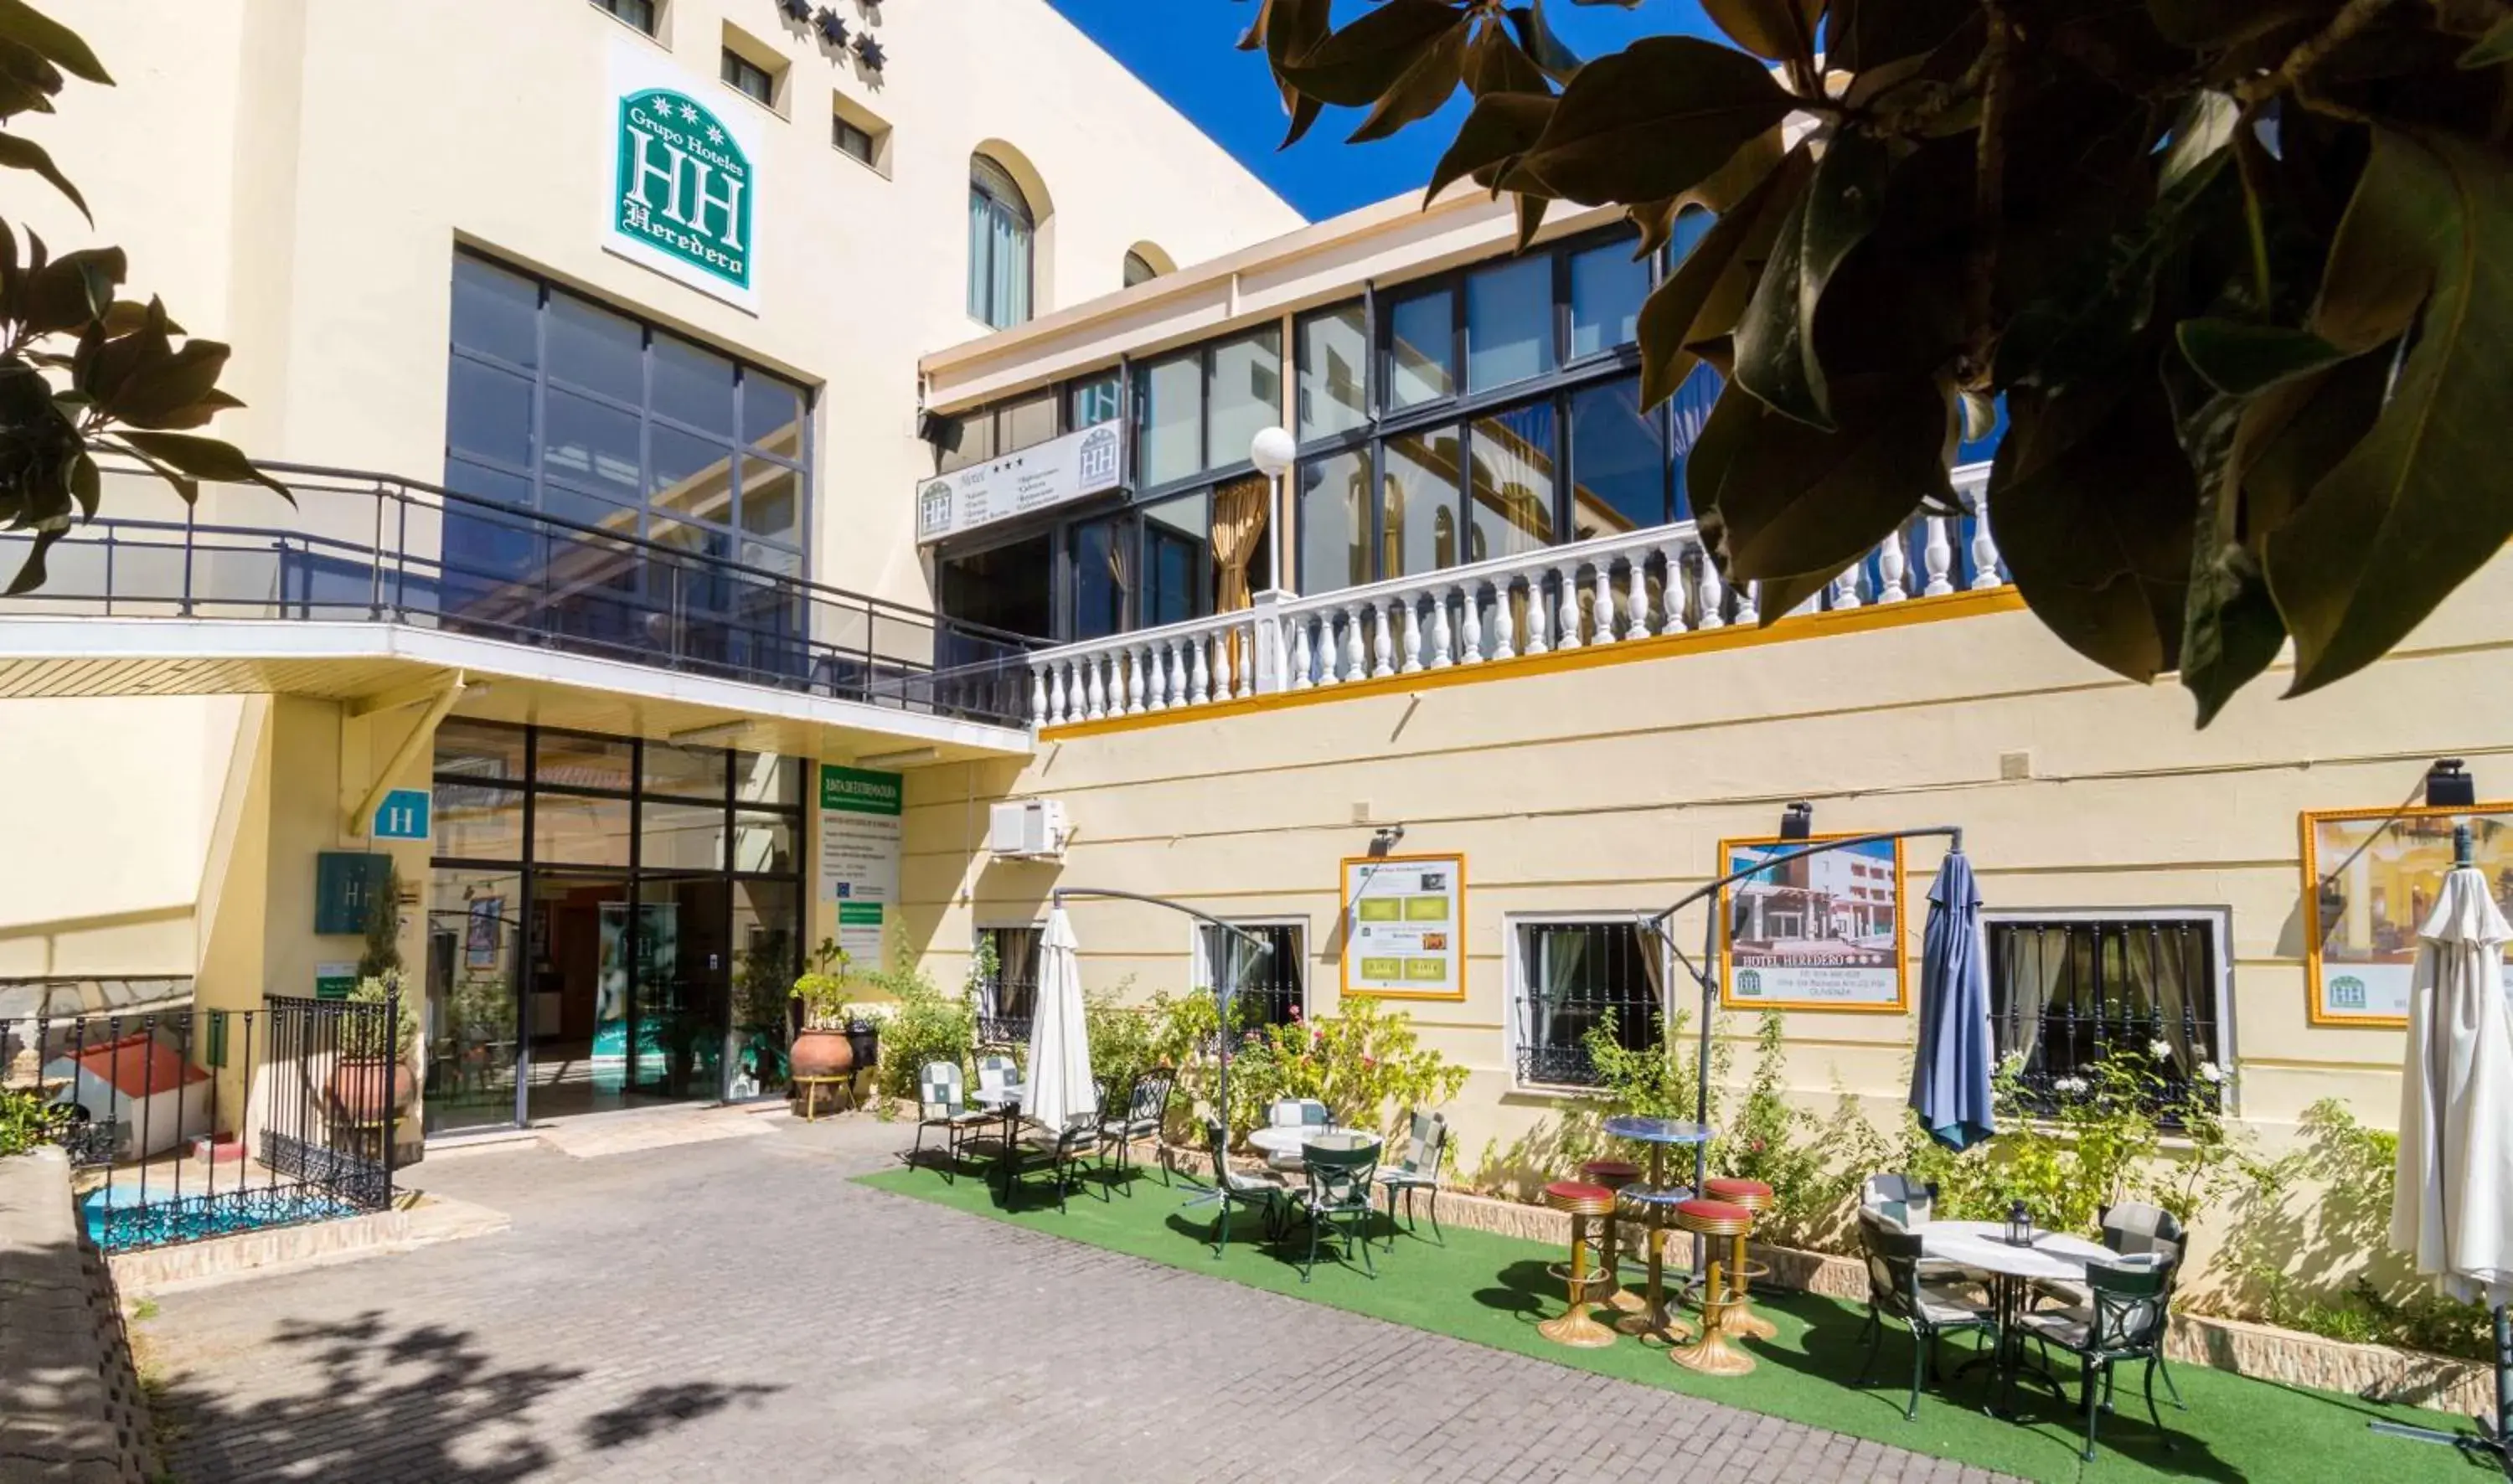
x=1492, y=1290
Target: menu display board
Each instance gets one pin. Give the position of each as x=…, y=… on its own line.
x=1405, y=924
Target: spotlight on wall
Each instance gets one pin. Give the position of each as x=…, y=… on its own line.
x=1385, y=840
x=2449, y=786
x=1797, y=821
x=938, y=429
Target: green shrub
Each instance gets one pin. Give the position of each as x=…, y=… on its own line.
x=29, y=1118
x=928, y=1025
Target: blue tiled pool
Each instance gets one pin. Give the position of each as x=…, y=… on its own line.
x=124, y=1217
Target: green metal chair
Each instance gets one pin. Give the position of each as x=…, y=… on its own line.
x=1339, y=1198
x=1896, y=1291
x=2126, y=1310
x=1266, y=1192
x=1426, y=1145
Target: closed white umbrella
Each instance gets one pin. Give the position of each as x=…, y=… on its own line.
x=2451, y=1208
x=1057, y=1084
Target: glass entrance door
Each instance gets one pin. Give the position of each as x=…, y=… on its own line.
x=475, y=944
x=680, y=989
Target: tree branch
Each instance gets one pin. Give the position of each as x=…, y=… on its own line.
x=2310, y=53
x=1988, y=196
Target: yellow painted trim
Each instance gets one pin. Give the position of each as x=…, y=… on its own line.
x=1862, y=620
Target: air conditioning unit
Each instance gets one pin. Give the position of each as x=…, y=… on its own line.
x=1029, y=829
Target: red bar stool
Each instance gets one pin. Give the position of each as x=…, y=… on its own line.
x=1613, y=1175
x=1712, y=1355
x=1576, y=1326
x=1741, y=1320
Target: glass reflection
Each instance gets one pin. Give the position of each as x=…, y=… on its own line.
x=1513, y=483
x=475, y=939
x=1421, y=504
x=1335, y=522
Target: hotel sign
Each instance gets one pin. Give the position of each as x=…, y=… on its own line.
x=684, y=184
x=1086, y=461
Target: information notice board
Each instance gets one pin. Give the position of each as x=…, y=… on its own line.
x=1405, y=926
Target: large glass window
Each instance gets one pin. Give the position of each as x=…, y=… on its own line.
x=1607, y=286
x=1419, y=514
x=1422, y=337
x=1513, y=491
x=1617, y=463
x=1178, y=560
x=637, y=428
x=1334, y=522
x=1572, y=978
x=1334, y=360
x=1170, y=408
x=1510, y=322
x=1000, y=230
x=1200, y=408
x=1246, y=396
x=1103, y=577
x=1095, y=401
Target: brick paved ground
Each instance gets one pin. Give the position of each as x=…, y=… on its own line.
x=738, y=1310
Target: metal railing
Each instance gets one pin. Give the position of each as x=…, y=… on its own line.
x=1613, y=589
x=188, y=1123
x=368, y=547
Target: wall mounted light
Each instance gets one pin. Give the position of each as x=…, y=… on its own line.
x=938, y=429
x=1797, y=821
x=2449, y=786
x=1384, y=841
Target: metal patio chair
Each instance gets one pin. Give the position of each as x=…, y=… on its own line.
x=1895, y=1290
x=1338, y=1201
x=942, y=1101
x=1426, y=1145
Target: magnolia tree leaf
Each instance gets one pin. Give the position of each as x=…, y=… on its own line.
x=72, y=291
x=1864, y=35
x=2231, y=629
x=18, y=152
x=1420, y=90
x=1497, y=129
x=166, y=392
x=2417, y=506
x=1354, y=68
x=2093, y=505
x=1775, y=354
x=1287, y=29
x=2221, y=22
x=1654, y=119
x=2242, y=360
x=1707, y=292
x=201, y=458
x=2492, y=49
x=1798, y=501
x=1538, y=39
x=1778, y=30
x=30, y=28
x=31, y=573
x=1495, y=63
x=2205, y=127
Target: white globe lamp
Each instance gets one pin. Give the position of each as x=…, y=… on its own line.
x=1272, y=452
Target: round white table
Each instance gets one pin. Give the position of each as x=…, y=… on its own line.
x=1290, y=1139
x=1982, y=1246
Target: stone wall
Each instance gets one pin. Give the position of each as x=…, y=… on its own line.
x=70, y=1408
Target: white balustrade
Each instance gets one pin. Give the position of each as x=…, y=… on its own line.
x=1891, y=561
x=1502, y=620
x=1566, y=634
x=1301, y=656
x=1939, y=555
x=1714, y=597
x=1470, y=629
x=1984, y=556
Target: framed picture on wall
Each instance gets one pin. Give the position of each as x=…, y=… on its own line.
x=484, y=932
x=1404, y=926
x=1824, y=932
x=2370, y=879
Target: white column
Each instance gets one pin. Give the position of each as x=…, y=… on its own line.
x=1889, y=563
x=1059, y=699
x=1566, y=633
x=1442, y=636
x=1356, y=660
x=1747, y=596
x=1127, y=693
x=1714, y=596
x=1636, y=623
x=1301, y=656
x=1670, y=594
x=1604, y=605
x=1845, y=587
x=1470, y=625
x=1156, y=682
x=1505, y=622
x=1261, y=669
x=1537, y=614
x=1094, y=690
x=1039, y=716
x=1255, y=641
x=1221, y=665
x=1410, y=631
x=1384, y=651
x=1199, y=677
x=1984, y=556
x=1940, y=555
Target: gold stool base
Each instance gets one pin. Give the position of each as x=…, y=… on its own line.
x=1578, y=1329
x=1743, y=1323
x=1659, y=1324
x=1712, y=1355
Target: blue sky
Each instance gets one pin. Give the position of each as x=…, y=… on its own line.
x=1184, y=50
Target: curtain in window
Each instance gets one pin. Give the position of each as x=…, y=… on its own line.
x=981, y=234
x=1653, y=966
x=1564, y=953
x=2031, y=970
x=1238, y=525
x=1009, y=263
x=1016, y=972
x=2160, y=967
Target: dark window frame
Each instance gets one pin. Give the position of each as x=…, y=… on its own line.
x=2090, y=1008
x=1561, y=1060
x=1274, y=997
x=1015, y=206
x=1007, y=1028
x=845, y=132
x=626, y=12
x=737, y=71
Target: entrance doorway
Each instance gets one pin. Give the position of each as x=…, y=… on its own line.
x=610, y=923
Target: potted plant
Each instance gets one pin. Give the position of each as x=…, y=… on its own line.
x=863, y=1022
x=371, y=1079
x=823, y=1047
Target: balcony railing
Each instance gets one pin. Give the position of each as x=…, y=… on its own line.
x=1611, y=590
x=365, y=547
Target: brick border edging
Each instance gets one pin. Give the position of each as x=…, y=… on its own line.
x=2261, y=1351
x=76, y=1409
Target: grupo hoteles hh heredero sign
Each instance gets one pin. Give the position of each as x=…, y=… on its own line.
x=683, y=197
x=1404, y=926
x=1084, y=461
x=2370, y=880
x=1822, y=932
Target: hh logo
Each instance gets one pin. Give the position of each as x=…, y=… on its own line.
x=1099, y=461
x=1748, y=984
x=934, y=508
x=2347, y=993
x=683, y=184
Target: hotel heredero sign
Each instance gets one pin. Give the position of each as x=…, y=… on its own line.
x=684, y=186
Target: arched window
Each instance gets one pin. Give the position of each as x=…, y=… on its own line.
x=1139, y=269
x=1000, y=233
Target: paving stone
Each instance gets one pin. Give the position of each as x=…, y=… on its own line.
x=737, y=1310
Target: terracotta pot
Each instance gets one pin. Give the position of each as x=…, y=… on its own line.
x=358, y=1088
x=821, y=1054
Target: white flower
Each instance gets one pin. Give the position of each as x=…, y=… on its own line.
x=2161, y=1050
x=2072, y=1087
x=2210, y=1071
x=2012, y=1063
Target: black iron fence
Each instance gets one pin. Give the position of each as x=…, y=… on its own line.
x=186, y=1123
x=1585, y=977
x=366, y=547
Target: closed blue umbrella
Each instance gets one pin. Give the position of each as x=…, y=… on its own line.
x=1950, y=1077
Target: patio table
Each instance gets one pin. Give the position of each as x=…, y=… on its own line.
x=1291, y=1139
x=1007, y=1101
x=1983, y=1245
x=1660, y=1135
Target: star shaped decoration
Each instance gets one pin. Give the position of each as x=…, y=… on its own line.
x=689, y=113
x=870, y=51
x=715, y=135
x=797, y=9
x=833, y=29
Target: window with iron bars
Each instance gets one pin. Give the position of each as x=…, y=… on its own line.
x=2066, y=993
x=1008, y=997
x=1273, y=986
x=1573, y=977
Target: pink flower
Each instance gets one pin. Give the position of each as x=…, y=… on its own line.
x=1295, y=1014
x=1368, y=1061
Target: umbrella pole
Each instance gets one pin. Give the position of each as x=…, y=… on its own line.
x=2490, y=1436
